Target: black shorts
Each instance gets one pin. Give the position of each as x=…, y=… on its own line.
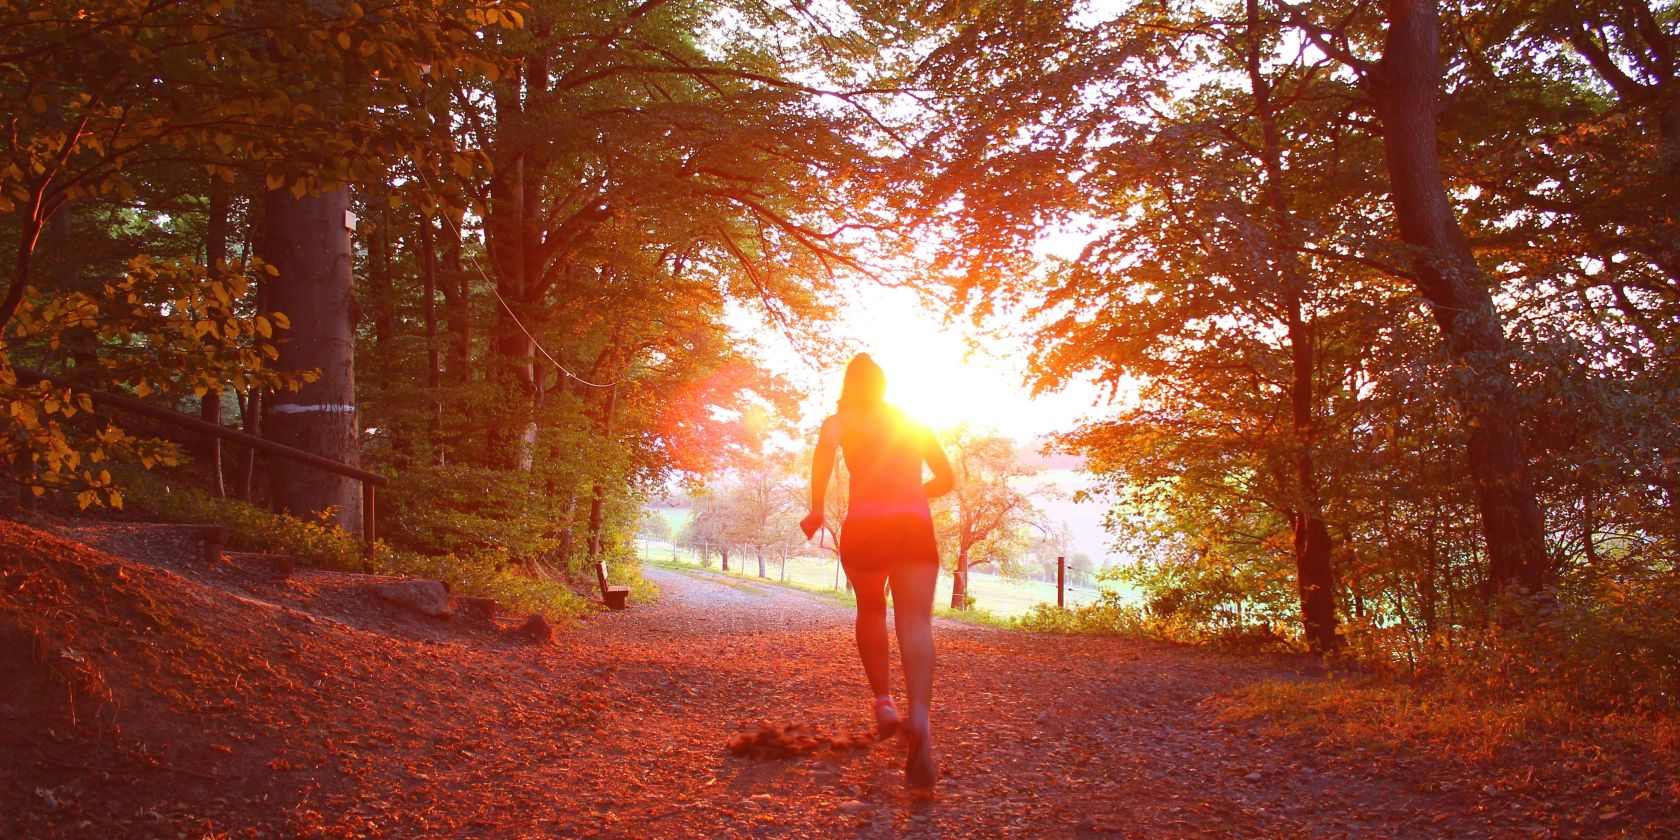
x=879, y=544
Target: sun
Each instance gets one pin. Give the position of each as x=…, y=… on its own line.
x=931, y=373
x=940, y=389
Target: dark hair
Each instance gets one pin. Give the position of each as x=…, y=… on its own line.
x=865, y=386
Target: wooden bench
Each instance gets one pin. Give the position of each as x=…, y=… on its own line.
x=613, y=595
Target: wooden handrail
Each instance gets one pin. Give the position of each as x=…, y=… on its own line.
x=369, y=480
x=128, y=403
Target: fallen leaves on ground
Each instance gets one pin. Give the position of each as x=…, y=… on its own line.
x=220, y=700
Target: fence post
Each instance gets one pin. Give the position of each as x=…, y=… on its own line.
x=1061, y=581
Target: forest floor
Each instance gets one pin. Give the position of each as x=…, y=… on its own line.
x=221, y=700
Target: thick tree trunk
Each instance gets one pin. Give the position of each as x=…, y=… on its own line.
x=762, y=571
x=723, y=554
x=1405, y=86
x=514, y=362
x=308, y=241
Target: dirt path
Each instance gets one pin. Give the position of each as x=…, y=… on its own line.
x=1040, y=735
x=299, y=708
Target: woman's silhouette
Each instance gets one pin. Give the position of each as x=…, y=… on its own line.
x=887, y=537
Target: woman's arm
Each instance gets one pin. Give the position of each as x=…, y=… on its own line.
x=822, y=468
x=943, y=479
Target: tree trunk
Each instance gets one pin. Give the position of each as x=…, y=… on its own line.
x=379, y=278
x=959, y=582
x=434, y=373
x=762, y=572
x=511, y=239
x=250, y=417
x=215, y=256
x=595, y=504
x=1405, y=86
x=308, y=242
x=723, y=553
x=1314, y=576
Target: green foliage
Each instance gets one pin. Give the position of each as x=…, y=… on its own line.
x=973, y=614
x=989, y=516
x=315, y=542
x=1615, y=648
x=1107, y=616
x=470, y=511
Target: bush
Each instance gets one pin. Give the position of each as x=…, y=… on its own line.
x=1106, y=616
x=1615, y=647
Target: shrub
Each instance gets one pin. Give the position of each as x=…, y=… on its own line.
x=314, y=542
x=1106, y=616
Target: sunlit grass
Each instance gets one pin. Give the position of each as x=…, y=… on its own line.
x=1001, y=598
x=1436, y=717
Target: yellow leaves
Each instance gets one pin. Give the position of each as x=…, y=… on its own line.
x=24, y=412
x=494, y=16
x=343, y=39
x=281, y=319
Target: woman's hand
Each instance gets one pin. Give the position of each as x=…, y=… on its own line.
x=811, y=523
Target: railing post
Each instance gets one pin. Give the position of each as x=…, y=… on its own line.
x=1061, y=581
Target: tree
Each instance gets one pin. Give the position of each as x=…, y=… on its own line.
x=708, y=526
x=985, y=518
x=1201, y=277
x=116, y=108
x=616, y=148
x=654, y=526
x=1405, y=85
x=307, y=241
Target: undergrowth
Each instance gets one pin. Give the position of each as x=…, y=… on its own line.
x=975, y=615
x=1585, y=666
x=1111, y=615
x=315, y=542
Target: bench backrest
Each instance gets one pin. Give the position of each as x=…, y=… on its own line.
x=601, y=574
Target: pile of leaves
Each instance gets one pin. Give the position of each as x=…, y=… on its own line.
x=791, y=740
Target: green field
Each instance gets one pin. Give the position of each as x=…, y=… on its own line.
x=1002, y=597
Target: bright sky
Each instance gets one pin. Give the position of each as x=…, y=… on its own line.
x=931, y=372
x=934, y=377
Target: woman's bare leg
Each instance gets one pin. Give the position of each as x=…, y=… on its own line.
x=913, y=587
x=870, y=590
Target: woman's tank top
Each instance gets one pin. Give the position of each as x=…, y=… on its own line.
x=883, y=453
